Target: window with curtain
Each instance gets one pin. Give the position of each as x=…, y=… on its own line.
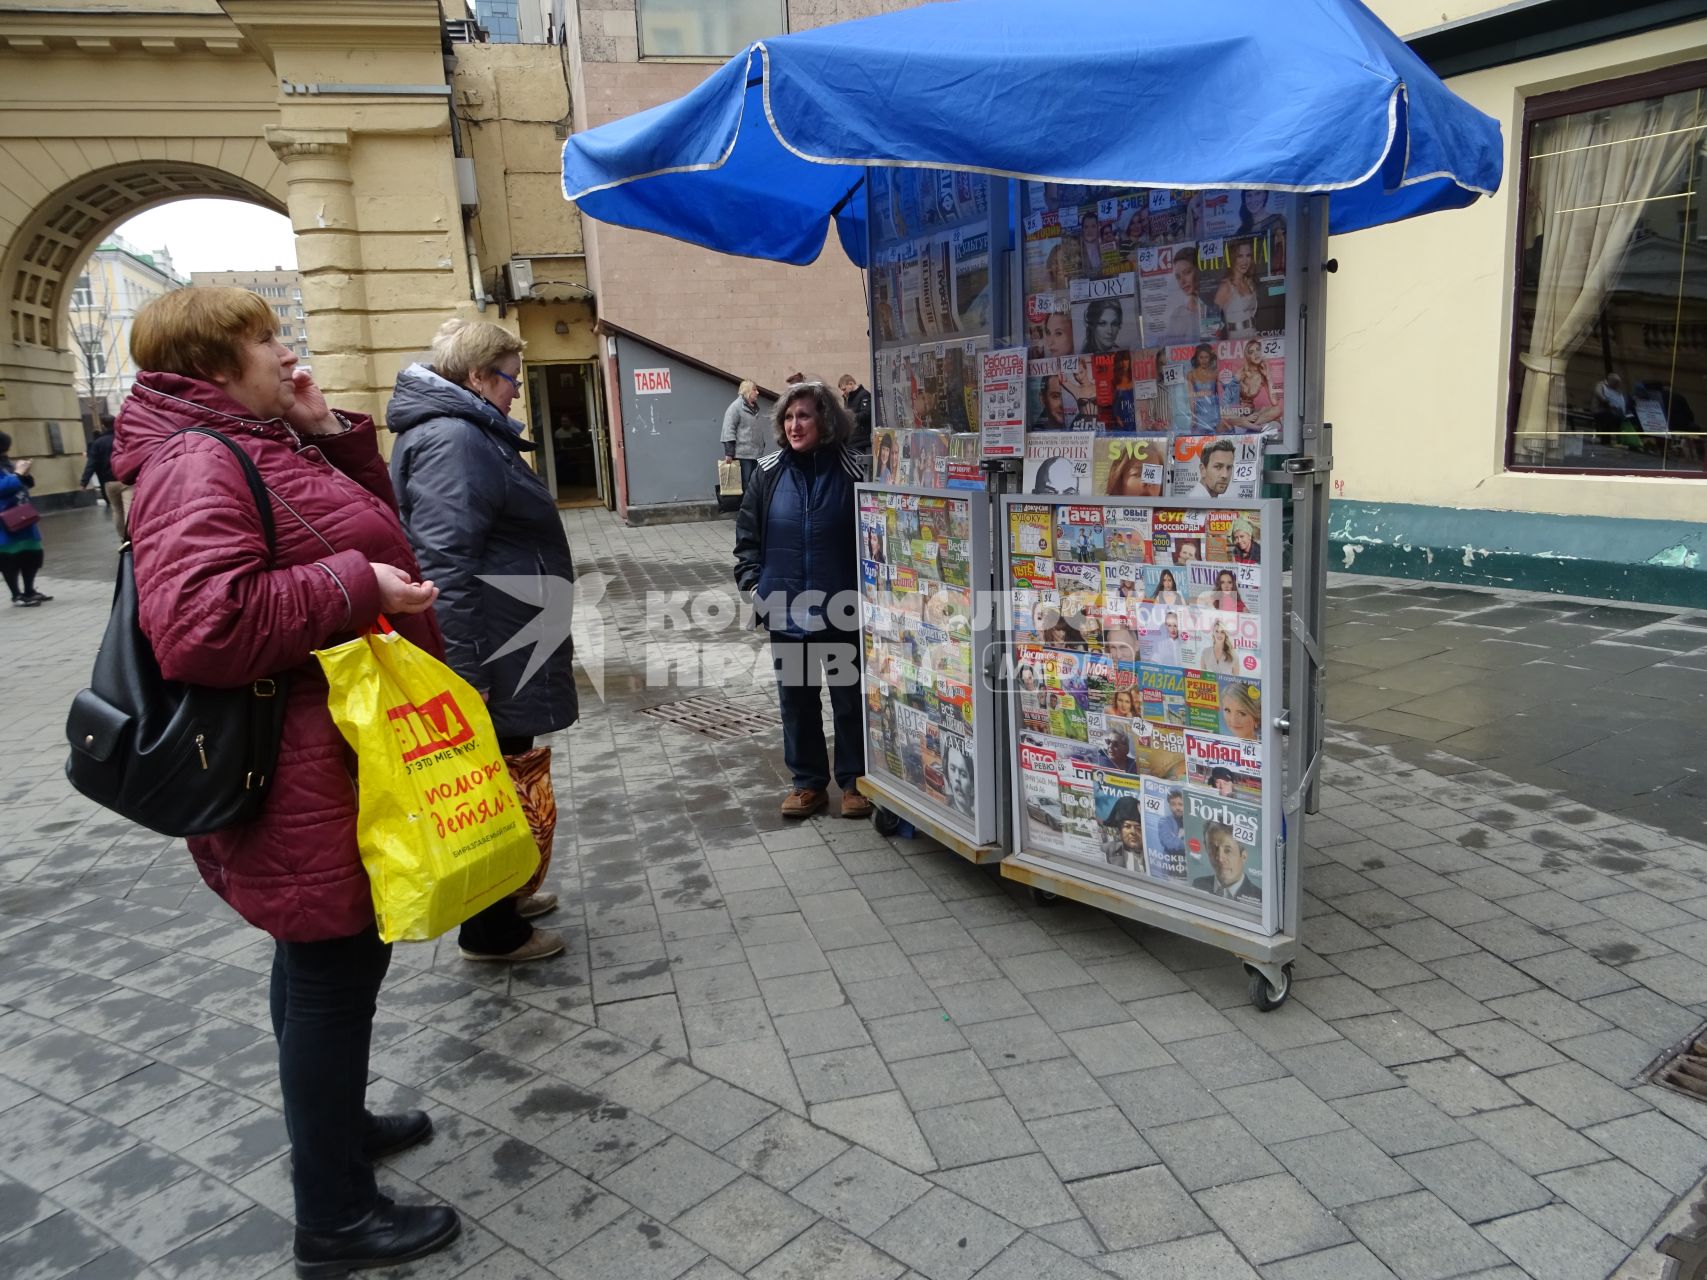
x=1609, y=371
x=706, y=28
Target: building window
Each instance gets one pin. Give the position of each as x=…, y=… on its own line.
x=706, y=28
x=94, y=359
x=82, y=296
x=1610, y=340
x=285, y=331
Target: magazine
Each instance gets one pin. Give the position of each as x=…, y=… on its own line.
x=1128, y=533
x=1150, y=408
x=1104, y=312
x=1218, y=213
x=1045, y=268
x=1049, y=325
x=1120, y=816
x=1161, y=694
x=1223, y=839
x=1134, y=466
x=1213, y=267
x=1079, y=534
x=1079, y=830
x=1040, y=790
x=1198, y=391
x=1058, y=462
x=912, y=292
x=971, y=250
x=940, y=251
x=1177, y=537
x=1170, y=297
x=1224, y=587
x=1216, y=467
x=1165, y=216
x=1227, y=644
x=1234, y=536
x=1254, y=392
x=1158, y=750
x=1164, y=831
x=1241, y=708
x=1224, y=765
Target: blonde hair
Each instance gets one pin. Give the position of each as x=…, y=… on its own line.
x=462, y=348
x=835, y=423
x=747, y=387
x=199, y=332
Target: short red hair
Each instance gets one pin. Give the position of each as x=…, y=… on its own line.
x=199, y=332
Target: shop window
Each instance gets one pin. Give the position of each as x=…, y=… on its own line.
x=1609, y=367
x=706, y=28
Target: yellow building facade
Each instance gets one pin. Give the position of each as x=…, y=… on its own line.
x=1479, y=436
x=115, y=283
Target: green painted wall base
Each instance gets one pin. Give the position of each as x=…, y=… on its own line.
x=1650, y=561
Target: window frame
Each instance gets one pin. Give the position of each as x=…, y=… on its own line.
x=640, y=39
x=1683, y=77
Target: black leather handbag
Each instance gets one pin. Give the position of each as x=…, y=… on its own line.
x=181, y=759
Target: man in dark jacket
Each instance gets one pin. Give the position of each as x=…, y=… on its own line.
x=99, y=468
x=796, y=550
x=858, y=401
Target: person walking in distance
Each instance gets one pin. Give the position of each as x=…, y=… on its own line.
x=744, y=436
x=478, y=515
x=99, y=468
x=20, y=549
x=797, y=553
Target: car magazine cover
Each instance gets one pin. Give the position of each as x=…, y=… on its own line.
x=1040, y=789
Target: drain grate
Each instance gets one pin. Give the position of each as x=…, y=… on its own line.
x=1684, y=1069
x=714, y=718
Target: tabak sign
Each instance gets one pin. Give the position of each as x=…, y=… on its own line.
x=651, y=382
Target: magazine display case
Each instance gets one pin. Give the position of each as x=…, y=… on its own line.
x=931, y=726
x=1144, y=646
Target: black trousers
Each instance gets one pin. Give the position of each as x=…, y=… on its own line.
x=19, y=568
x=323, y=999
x=498, y=929
x=803, y=667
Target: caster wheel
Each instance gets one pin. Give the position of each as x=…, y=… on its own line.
x=1043, y=898
x=887, y=823
x=1264, y=998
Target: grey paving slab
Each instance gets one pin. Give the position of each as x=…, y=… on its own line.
x=1280, y=1110
x=1613, y=1196
x=1533, y=1140
x=1206, y=1257
x=943, y=1079
x=945, y=1236
x=973, y=1132
x=1032, y=1258
x=745, y=1223
x=882, y=1122
x=1160, y=1095
x=1138, y=1207
x=1661, y=1148
x=1458, y=1086
x=1401, y=1122
x=1342, y=1262
x=670, y=1178
x=1050, y=1088
x=860, y=1190
x=827, y=1252
x=1272, y=1218
x=1336, y=1069
x=1558, y=1241
x=1419, y=1238
x=1084, y=1144
x=1475, y=1181
x=1575, y=1094
x=1343, y=1167
x=1023, y=1189
x=1210, y=1152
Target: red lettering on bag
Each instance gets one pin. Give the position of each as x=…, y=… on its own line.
x=431, y=726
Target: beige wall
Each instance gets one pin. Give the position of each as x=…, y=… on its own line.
x=1419, y=329
x=758, y=320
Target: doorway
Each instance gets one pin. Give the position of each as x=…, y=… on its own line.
x=574, y=446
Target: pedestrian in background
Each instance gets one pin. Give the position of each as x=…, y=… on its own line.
x=480, y=519
x=858, y=401
x=745, y=434
x=20, y=549
x=99, y=468
x=796, y=549
x=221, y=609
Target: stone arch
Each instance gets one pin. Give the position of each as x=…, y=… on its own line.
x=68, y=224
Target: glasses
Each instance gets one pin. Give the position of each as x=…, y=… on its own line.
x=508, y=378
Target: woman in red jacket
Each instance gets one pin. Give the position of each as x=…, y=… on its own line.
x=218, y=612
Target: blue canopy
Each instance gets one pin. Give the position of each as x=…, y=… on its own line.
x=1305, y=95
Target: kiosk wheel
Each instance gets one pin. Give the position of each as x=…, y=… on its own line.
x=1265, y=997
x=887, y=823
x=1043, y=898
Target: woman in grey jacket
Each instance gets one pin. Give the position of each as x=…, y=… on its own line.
x=486, y=523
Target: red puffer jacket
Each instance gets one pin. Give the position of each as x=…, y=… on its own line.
x=217, y=614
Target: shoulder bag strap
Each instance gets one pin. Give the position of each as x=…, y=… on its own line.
x=257, y=488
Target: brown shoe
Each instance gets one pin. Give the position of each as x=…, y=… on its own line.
x=803, y=802
x=855, y=805
x=542, y=945
x=536, y=904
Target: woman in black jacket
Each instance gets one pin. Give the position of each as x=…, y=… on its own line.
x=488, y=526
x=797, y=551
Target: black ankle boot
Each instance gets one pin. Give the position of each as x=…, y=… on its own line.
x=391, y=1234
x=389, y=1134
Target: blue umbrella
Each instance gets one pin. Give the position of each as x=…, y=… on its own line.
x=1308, y=95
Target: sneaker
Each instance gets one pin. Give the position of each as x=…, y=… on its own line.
x=536, y=904
x=35, y=597
x=24, y=602
x=541, y=946
x=391, y=1234
x=803, y=802
x=855, y=805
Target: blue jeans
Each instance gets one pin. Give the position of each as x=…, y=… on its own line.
x=748, y=466
x=322, y=1003
x=803, y=667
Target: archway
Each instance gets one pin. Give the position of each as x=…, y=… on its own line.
x=41, y=262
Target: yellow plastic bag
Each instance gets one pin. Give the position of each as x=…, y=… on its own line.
x=441, y=830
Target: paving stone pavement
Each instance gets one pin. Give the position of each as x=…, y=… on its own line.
x=806, y=1050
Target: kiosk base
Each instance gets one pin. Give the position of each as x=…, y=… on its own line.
x=1268, y=960
x=891, y=802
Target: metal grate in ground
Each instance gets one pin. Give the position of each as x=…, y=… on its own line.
x=1684, y=1069
x=714, y=718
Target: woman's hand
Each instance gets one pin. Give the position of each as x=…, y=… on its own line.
x=311, y=415
x=22, y=467
x=399, y=595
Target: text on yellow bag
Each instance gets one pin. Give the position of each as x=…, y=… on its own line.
x=441, y=831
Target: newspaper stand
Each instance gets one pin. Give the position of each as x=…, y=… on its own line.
x=1296, y=467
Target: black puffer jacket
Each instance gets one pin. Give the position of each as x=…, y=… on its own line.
x=486, y=530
